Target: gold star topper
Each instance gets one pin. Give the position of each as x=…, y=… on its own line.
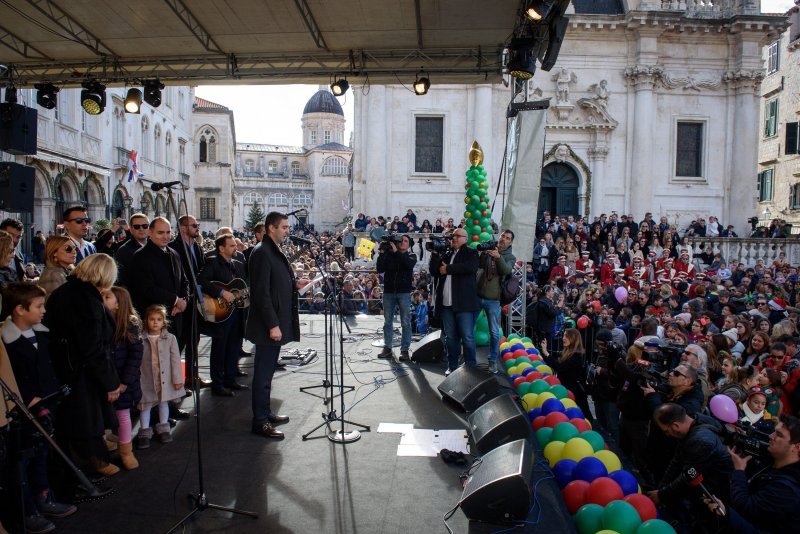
x=475, y=154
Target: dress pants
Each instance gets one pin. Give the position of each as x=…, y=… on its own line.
x=225, y=352
x=266, y=358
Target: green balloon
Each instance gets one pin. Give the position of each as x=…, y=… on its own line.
x=655, y=526
x=589, y=518
x=544, y=435
x=511, y=362
x=537, y=386
x=482, y=339
x=474, y=244
x=488, y=214
x=485, y=236
x=622, y=517
x=595, y=440
x=524, y=388
x=481, y=206
x=475, y=230
x=486, y=222
x=561, y=393
x=564, y=432
x=475, y=200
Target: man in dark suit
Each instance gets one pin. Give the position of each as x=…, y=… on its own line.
x=226, y=337
x=140, y=231
x=273, y=319
x=457, y=302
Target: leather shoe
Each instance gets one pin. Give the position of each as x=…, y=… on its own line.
x=268, y=431
x=221, y=392
x=278, y=419
x=238, y=387
x=241, y=373
x=205, y=383
x=177, y=413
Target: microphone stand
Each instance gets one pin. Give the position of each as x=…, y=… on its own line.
x=200, y=499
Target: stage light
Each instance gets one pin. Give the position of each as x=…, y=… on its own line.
x=339, y=87
x=93, y=97
x=152, y=92
x=521, y=61
x=133, y=101
x=537, y=10
x=422, y=84
x=46, y=95
x=11, y=95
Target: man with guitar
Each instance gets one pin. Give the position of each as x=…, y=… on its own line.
x=226, y=336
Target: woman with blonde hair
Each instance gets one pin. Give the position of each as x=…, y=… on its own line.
x=60, y=253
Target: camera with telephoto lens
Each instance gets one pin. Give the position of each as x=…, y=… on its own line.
x=747, y=440
x=488, y=245
x=438, y=244
x=389, y=238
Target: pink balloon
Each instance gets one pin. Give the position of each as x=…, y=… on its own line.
x=724, y=408
x=621, y=294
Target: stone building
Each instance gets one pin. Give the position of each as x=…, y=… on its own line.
x=779, y=150
x=654, y=108
x=214, y=137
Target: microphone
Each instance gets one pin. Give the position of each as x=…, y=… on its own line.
x=695, y=479
x=300, y=240
x=158, y=186
x=295, y=212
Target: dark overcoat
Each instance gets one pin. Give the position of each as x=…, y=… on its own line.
x=273, y=296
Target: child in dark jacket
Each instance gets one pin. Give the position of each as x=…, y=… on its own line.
x=127, y=356
x=26, y=342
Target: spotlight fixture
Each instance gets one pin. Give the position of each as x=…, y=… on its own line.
x=538, y=9
x=152, y=92
x=133, y=101
x=521, y=61
x=93, y=97
x=11, y=95
x=422, y=84
x=339, y=87
x=46, y=95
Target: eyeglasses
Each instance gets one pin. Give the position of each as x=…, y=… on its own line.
x=80, y=220
x=140, y=226
x=677, y=373
x=69, y=249
x=193, y=225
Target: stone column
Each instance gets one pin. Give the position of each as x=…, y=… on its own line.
x=597, y=160
x=639, y=194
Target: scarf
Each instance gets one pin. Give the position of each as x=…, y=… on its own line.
x=750, y=415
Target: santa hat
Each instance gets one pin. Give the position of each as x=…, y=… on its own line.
x=585, y=253
x=778, y=304
x=668, y=260
x=684, y=251
x=638, y=256
x=652, y=254
x=611, y=257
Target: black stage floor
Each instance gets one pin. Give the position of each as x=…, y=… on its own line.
x=307, y=486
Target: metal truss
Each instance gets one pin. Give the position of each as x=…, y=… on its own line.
x=194, y=26
x=379, y=66
x=19, y=46
x=64, y=21
x=515, y=319
x=311, y=23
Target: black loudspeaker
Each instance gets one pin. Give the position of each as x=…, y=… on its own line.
x=499, y=421
x=469, y=387
x=16, y=187
x=499, y=488
x=18, y=126
x=428, y=349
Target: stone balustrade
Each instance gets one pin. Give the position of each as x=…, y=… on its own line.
x=749, y=251
x=704, y=8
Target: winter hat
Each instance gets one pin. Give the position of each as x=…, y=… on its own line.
x=778, y=304
x=732, y=334
x=685, y=317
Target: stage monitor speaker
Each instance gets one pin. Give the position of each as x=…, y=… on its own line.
x=18, y=126
x=16, y=187
x=428, y=349
x=469, y=387
x=499, y=421
x=498, y=489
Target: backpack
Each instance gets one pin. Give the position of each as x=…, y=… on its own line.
x=509, y=290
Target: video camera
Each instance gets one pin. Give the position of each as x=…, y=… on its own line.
x=753, y=222
x=747, y=440
x=438, y=244
x=654, y=366
x=488, y=245
x=389, y=238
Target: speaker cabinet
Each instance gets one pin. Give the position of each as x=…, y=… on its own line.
x=428, y=349
x=499, y=421
x=468, y=387
x=18, y=126
x=499, y=488
x=16, y=187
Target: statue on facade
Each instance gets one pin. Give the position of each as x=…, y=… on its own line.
x=600, y=93
x=563, y=80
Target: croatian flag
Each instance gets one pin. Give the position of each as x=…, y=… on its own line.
x=133, y=169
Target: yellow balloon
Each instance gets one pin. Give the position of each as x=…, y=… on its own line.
x=512, y=370
x=528, y=345
x=640, y=488
x=504, y=345
x=577, y=449
x=609, y=459
x=522, y=366
x=545, y=369
x=528, y=401
x=552, y=452
x=543, y=397
x=568, y=403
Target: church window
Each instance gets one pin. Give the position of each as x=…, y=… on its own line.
x=774, y=57
x=272, y=166
x=765, y=185
x=689, y=153
x=794, y=199
x=313, y=138
x=208, y=208
x=771, y=118
x=295, y=168
x=327, y=137
x=429, y=145
x=334, y=166
x=208, y=147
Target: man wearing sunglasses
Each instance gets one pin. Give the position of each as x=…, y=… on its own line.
x=140, y=231
x=76, y=223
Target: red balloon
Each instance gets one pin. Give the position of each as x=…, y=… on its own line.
x=596, y=305
x=538, y=422
x=583, y=322
x=552, y=380
x=503, y=340
x=553, y=418
x=535, y=375
x=570, y=394
x=507, y=356
x=603, y=490
x=519, y=353
x=519, y=380
x=580, y=424
x=574, y=495
x=505, y=309
x=475, y=238
x=644, y=506
x=535, y=357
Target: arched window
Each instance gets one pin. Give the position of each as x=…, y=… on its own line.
x=212, y=149
x=272, y=166
x=295, y=168
x=147, y=203
x=145, y=148
x=253, y=198
x=181, y=155
x=118, y=204
x=334, y=166
x=208, y=146
x=157, y=143
x=302, y=199
x=278, y=199
x=119, y=127
x=168, y=150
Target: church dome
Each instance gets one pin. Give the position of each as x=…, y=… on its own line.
x=323, y=101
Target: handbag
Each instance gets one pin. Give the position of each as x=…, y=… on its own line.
x=509, y=290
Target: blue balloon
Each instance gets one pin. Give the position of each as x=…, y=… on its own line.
x=574, y=413
x=528, y=370
x=626, y=481
x=517, y=346
x=590, y=468
x=533, y=413
x=564, y=471
x=532, y=350
x=552, y=405
x=515, y=376
x=505, y=351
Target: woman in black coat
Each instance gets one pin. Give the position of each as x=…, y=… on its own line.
x=81, y=331
x=570, y=369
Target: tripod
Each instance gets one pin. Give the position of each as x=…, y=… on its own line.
x=200, y=498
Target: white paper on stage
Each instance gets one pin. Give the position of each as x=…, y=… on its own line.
x=452, y=440
x=417, y=442
x=400, y=428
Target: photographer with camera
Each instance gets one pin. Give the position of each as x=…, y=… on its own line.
x=767, y=501
x=604, y=382
x=496, y=262
x=396, y=262
x=457, y=301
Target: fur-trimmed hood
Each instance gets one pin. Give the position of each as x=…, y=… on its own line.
x=11, y=332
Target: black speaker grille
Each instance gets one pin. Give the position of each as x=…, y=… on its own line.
x=468, y=387
x=498, y=421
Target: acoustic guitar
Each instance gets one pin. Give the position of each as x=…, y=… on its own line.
x=217, y=310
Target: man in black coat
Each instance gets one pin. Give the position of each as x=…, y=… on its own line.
x=140, y=231
x=226, y=337
x=273, y=319
x=457, y=302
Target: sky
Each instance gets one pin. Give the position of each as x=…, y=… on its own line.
x=270, y=114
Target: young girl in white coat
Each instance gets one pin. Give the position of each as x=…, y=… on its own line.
x=162, y=376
